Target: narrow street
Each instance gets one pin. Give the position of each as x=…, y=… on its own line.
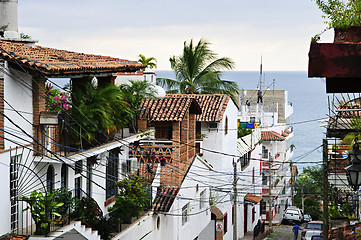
x=282, y=232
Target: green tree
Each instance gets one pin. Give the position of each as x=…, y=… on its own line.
x=42, y=207
x=150, y=62
x=96, y=113
x=341, y=13
x=133, y=197
x=198, y=71
x=134, y=94
x=310, y=183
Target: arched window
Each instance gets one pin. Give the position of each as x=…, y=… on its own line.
x=64, y=176
x=50, y=179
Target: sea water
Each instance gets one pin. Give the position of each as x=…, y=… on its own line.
x=309, y=100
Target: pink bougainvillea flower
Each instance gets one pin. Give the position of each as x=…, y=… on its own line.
x=66, y=106
x=56, y=98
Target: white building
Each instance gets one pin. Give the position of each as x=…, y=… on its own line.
x=33, y=154
x=273, y=114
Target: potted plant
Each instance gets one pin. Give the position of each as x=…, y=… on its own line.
x=42, y=207
x=344, y=17
x=142, y=124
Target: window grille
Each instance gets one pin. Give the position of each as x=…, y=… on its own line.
x=264, y=152
x=185, y=214
x=14, y=175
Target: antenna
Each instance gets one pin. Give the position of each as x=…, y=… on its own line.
x=260, y=75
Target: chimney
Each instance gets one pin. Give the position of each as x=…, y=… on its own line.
x=9, y=19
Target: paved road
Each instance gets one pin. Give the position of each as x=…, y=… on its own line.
x=283, y=232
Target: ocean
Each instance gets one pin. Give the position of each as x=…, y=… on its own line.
x=309, y=100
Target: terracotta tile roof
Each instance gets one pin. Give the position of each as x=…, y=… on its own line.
x=288, y=131
x=284, y=133
x=253, y=198
x=213, y=106
x=164, y=198
x=272, y=136
x=169, y=108
x=129, y=73
x=54, y=62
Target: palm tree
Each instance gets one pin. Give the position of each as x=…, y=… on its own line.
x=147, y=62
x=198, y=71
x=134, y=94
x=96, y=113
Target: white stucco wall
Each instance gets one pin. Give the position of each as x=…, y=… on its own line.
x=18, y=95
x=219, y=142
x=5, y=192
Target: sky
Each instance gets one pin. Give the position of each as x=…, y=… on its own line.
x=278, y=30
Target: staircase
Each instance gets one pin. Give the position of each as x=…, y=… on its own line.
x=68, y=232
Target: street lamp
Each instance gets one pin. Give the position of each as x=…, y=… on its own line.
x=353, y=172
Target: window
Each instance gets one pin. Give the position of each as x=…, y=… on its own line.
x=14, y=175
x=64, y=176
x=226, y=126
x=264, y=179
x=164, y=131
x=89, y=178
x=213, y=125
x=202, y=199
x=185, y=214
x=112, y=173
x=78, y=166
x=264, y=152
x=263, y=207
x=225, y=221
x=253, y=176
x=245, y=159
x=253, y=214
x=77, y=186
x=50, y=179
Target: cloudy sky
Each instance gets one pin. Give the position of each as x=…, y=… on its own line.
x=244, y=30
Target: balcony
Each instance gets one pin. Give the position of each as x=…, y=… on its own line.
x=150, y=151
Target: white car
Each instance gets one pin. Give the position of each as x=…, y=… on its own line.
x=310, y=234
x=307, y=218
x=292, y=216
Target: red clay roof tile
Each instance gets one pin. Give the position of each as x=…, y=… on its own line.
x=169, y=108
x=213, y=106
x=272, y=136
x=253, y=198
x=164, y=198
x=54, y=62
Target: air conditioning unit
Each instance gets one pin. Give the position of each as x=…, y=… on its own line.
x=213, y=125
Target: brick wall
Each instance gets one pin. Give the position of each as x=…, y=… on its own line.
x=38, y=87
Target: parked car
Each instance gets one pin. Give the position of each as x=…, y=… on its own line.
x=310, y=234
x=307, y=218
x=292, y=216
x=311, y=226
x=297, y=209
x=317, y=238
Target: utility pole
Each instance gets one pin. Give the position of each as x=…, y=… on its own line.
x=325, y=190
x=269, y=192
x=293, y=179
x=234, y=200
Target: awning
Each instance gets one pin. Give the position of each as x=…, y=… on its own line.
x=252, y=198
